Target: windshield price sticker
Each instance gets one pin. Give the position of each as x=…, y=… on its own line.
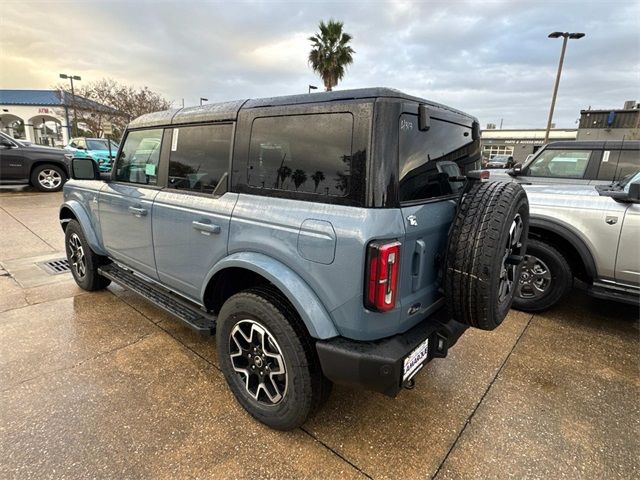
x=174, y=139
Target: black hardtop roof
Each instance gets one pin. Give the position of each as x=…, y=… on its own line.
x=598, y=144
x=226, y=111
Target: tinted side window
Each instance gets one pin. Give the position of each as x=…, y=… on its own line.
x=139, y=158
x=423, y=173
x=199, y=157
x=618, y=164
x=302, y=153
x=560, y=164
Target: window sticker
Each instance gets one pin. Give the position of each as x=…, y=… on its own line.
x=150, y=169
x=174, y=140
x=605, y=157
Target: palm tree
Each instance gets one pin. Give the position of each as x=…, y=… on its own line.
x=283, y=173
x=330, y=53
x=298, y=177
x=317, y=178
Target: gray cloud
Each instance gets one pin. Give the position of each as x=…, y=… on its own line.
x=490, y=58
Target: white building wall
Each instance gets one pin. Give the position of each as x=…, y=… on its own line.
x=33, y=115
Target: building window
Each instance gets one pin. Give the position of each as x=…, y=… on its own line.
x=490, y=151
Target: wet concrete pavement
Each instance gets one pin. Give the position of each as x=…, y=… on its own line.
x=106, y=385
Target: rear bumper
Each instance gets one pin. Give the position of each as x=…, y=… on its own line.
x=379, y=365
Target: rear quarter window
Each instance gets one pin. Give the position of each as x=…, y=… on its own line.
x=302, y=153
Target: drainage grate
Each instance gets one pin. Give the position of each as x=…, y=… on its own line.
x=55, y=267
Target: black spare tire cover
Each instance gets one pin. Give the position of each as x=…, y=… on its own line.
x=485, y=249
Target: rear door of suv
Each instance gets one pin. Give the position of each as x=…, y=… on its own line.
x=428, y=196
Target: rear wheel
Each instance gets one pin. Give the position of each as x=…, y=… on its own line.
x=268, y=359
x=486, y=246
x=83, y=261
x=546, y=277
x=48, y=178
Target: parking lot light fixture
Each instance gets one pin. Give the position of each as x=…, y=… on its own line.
x=312, y=87
x=73, y=100
x=565, y=37
x=202, y=99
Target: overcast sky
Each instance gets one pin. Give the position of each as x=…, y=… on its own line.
x=489, y=58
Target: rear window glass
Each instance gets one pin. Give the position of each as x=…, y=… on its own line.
x=617, y=164
x=302, y=153
x=425, y=158
x=560, y=164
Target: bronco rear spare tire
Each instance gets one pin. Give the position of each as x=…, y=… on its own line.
x=485, y=250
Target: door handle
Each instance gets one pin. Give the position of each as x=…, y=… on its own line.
x=206, y=228
x=417, y=265
x=138, y=212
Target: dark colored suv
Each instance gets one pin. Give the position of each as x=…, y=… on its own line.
x=45, y=168
x=321, y=235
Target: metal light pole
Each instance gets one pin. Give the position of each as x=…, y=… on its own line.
x=202, y=99
x=566, y=36
x=73, y=100
x=312, y=87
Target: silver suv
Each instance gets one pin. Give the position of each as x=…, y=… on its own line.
x=320, y=235
x=576, y=162
x=588, y=232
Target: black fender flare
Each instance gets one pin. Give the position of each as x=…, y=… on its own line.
x=571, y=237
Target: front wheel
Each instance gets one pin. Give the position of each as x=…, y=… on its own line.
x=268, y=359
x=48, y=178
x=546, y=277
x=83, y=262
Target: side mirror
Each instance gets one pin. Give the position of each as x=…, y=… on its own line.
x=6, y=143
x=516, y=170
x=634, y=192
x=84, y=169
x=80, y=147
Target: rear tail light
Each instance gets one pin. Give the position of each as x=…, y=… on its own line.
x=383, y=262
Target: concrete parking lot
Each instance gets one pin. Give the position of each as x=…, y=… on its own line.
x=106, y=385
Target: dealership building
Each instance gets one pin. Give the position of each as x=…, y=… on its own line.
x=520, y=143
x=42, y=117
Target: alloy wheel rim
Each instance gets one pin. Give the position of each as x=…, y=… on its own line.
x=257, y=359
x=77, y=257
x=509, y=268
x=49, y=178
x=535, y=278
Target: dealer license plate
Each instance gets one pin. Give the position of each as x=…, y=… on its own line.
x=415, y=360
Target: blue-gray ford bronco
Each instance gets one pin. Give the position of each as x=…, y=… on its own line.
x=331, y=237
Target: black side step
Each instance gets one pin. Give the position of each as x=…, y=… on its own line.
x=190, y=314
x=617, y=294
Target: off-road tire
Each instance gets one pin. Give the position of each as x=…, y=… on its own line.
x=91, y=280
x=307, y=387
x=561, y=278
x=35, y=174
x=476, y=253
